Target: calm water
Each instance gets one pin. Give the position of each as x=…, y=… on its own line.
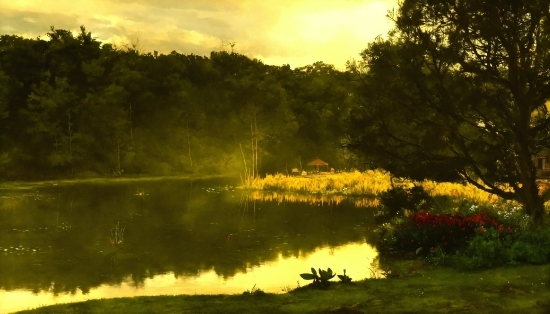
x=67, y=243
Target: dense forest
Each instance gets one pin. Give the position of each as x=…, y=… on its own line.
x=455, y=92
x=72, y=106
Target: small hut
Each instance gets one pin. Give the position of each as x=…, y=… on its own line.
x=317, y=162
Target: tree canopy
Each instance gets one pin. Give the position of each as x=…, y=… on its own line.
x=74, y=106
x=458, y=91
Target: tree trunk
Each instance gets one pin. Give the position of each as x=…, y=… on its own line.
x=189, y=144
x=532, y=201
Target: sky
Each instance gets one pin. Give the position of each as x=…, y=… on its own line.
x=277, y=32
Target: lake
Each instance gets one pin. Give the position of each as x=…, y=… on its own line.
x=73, y=242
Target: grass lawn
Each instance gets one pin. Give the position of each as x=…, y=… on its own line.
x=417, y=288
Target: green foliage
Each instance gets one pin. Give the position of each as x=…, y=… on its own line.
x=431, y=106
x=398, y=199
x=437, y=256
x=3, y=95
x=532, y=245
x=485, y=250
x=76, y=105
x=472, y=241
x=320, y=279
x=344, y=278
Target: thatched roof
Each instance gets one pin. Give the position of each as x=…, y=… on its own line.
x=317, y=162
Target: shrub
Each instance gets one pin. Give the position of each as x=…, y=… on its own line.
x=493, y=249
x=471, y=238
x=487, y=249
x=448, y=231
x=399, y=199
x=533, y=246
x=429, y=231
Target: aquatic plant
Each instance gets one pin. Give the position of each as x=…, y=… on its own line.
x=344, y=278
x=321, y=279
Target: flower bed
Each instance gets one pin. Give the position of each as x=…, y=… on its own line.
x=448, y=231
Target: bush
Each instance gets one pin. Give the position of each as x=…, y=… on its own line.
x=533, y=246
x=492, y=249
x=399, y=199
x=468, y=241
x=487, y=249
x=448, y=231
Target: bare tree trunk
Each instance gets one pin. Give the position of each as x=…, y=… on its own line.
x=118, y=154
x=131, y=128
x=189, y=144
x=532, y=201
x=528, y=192
x=246, y=174
x=69, y=124
x=252, y=147
x=255, y=144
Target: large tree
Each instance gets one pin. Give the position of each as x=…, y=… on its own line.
x=458, y=91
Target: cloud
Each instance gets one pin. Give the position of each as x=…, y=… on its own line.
x=282, y=32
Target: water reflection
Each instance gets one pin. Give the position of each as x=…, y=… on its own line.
x=312, y=199
x=61, y=242
x=275, y=276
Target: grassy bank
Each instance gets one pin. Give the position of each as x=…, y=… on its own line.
x=414, y=288
x=370, y=183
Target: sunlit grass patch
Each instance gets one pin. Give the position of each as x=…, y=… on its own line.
x=368, y=183
x=349, y=183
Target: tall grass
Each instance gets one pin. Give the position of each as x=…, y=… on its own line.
x=352, y=183
x=368, y=183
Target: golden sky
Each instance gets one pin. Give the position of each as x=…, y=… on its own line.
x=295, y=32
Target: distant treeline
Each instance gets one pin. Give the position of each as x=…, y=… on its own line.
x=74, y=106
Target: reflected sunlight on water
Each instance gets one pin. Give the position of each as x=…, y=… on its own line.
x=271, y=277
x=311, y=199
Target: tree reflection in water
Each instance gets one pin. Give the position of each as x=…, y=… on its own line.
x=184, y=228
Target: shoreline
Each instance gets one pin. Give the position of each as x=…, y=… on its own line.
x=416, y=288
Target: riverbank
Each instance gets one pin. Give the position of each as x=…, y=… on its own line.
x=369, y=183
x=414, y=287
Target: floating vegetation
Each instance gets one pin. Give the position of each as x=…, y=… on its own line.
x=64, y=226
x=20, y=250
x=219, y=189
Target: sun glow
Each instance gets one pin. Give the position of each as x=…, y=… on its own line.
x=274, y=277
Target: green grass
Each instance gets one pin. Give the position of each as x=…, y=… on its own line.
x=418, y=288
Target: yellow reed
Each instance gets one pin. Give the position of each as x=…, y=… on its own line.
x=371, y=183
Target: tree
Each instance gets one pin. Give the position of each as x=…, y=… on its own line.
x=51, y=111
x=320, y=100
x=458, y=92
